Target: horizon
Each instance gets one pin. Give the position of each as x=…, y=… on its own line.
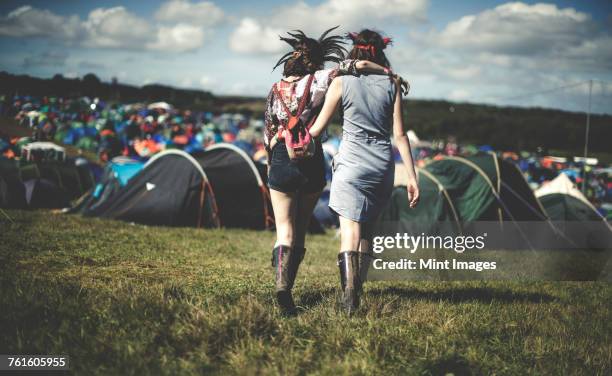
x=263, y=97
x=508, y=54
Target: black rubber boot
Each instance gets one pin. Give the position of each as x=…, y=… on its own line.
x=348, y=264
x=365, y=260
x=286, y=261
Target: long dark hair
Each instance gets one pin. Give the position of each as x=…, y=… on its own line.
x=310, y=55
x=369, y=45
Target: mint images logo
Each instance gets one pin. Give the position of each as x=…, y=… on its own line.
x=411, y=243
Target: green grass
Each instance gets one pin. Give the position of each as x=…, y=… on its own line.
x=131, y=299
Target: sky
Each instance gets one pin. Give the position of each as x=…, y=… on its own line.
x=498, y=52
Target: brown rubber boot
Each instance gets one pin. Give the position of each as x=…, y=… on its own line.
x=365, y=260
x=348, y=264
x=286, y=261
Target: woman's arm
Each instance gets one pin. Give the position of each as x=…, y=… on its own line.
x=403, y=145
x=366, y=66
x=332, y=99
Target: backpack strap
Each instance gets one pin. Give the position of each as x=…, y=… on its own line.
x=280, y=99
x=303, y=101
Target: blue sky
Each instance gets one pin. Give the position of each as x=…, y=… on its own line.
x=477, y=51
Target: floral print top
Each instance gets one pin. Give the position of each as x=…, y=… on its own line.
x=292, y=92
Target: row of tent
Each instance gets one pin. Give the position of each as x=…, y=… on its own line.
x=459, y=191
x=49, y=184
x=220, y=186
x=486, y=188
x=223, y=186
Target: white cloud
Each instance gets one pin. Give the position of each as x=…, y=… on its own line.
x=116, y=27
x=179, y=38
x=202, y=13
x=499, y=54
x=26, y=21
x=519, y=29
x=253, y=37
x=261, y=35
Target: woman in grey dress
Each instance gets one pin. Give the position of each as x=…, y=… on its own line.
x=364, y=166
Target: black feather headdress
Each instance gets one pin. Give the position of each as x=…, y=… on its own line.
x=326, y=48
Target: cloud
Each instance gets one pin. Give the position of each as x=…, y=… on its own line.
x=203, y=13
x=261, y=35
x=501, y=53
x=253, y=37
x=528, y=34
x=179, y=38
x=26, y=21
x=117, y=27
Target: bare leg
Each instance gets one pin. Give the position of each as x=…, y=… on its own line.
x=305, y=207
x=350, y=234
x=283, y=205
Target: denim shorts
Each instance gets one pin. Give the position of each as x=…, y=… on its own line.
x=305, y=175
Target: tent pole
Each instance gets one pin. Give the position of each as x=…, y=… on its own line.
x=586, y=138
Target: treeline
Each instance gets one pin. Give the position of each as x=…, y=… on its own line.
x=504, y=128
x=91, y=86
x=509, y=128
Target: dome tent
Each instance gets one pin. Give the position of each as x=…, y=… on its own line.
x=486, y=188
x=435, y=206
x=242, y=197
x=563, y=202
x=457, y=192
x=172, y=190
x=117, y=174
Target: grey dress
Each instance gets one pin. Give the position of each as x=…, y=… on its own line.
x=364, y=167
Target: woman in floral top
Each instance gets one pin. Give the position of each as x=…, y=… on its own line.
x=295, y=185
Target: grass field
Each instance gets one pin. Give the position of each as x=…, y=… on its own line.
x=131, y=299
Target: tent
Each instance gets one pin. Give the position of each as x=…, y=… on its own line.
x=172, y=190
x=116, y=175
x=242, y=197
x=41, y=151
x=563, y=202
x=62, y=182
x=42, y=193
x=435, y=207
x=458, y=192
x=12, y=194
x=579, y=222
x=486, y=188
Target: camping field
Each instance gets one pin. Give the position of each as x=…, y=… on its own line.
x=131, y=299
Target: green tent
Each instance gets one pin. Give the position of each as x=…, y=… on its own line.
x=462, y=190
x=514, y=198
x=435, y=207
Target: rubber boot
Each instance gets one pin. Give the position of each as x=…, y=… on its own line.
x=286, y=261
x=365, y=260
x=348, y=264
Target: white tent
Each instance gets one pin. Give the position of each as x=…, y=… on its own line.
x=161, y=105
x=561, y=184
x=564, y=186
x=43, y=151
x=415, y=141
